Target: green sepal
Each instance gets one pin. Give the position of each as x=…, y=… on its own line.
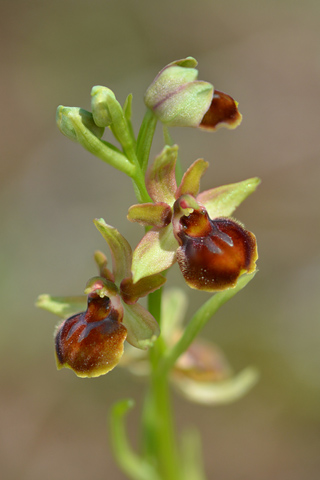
x=142, y=328
x=155, y=253
x=221, y=392
x=222, y=201
x=155, y=214
x=64, y=307
x=161, y=179
x=120, y=249
x=190, y=183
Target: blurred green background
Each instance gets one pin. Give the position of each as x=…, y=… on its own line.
x=267, y=55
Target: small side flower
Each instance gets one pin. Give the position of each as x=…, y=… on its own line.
x=91, y=343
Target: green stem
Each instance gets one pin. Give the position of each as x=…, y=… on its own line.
x=140, y=186
x=102, y=149
x=158, y=425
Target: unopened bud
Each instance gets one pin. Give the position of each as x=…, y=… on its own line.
x=72, y=120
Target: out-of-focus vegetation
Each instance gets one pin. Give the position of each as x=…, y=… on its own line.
x=265, y=54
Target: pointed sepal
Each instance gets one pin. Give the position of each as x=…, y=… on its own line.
x=222, y=201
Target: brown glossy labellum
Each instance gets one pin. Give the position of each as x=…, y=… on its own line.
x=214, y=253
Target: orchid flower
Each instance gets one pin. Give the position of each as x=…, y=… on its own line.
x=91, y=342
x=192, y=228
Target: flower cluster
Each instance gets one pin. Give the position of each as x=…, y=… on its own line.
x=191, y=228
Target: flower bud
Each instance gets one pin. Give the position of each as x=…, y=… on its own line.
x=212, y=253
x=91, y=342
x=178, y=99
x=101, y=98
x=68, y=117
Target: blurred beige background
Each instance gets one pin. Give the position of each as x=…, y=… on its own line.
x=267, y=55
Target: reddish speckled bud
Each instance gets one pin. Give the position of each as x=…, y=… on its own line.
x=212, y=253
x=91, y=342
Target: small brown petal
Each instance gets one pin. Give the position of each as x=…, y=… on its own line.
x=223, y=112
x=91, y=342
x=214, y=253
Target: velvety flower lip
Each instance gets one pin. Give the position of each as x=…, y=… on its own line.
x=200, y=227
x=212, y=254
x=91, y=343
